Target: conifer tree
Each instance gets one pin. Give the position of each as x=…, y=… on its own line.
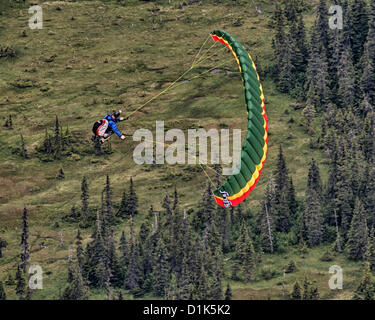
x=296, y=294
x=282, y=210
x=3, y=244
x=23, y=150
x=359, y=28
x=85, y=201
x=120, y=297
x=132, y=200
x=124, y=250
x=313, y=212
x=278, y=42
x=3, y=296
x=368, y=195
x=358, y=233
x=368, y=59
x=133, y=273
x=346, y=79
x=166, y=205
x=344, y=197
x=108, y=213
x=79, y=251
x=318, y=92
x=175, y=199
x=306, y=289
x=95, y=267
x=76, y=290
x=115, y=277
x=206, y=209
x=315, y=293
x=98, y=146
x=61, y=174
x=365, y=290
x=285, y=83
x=202, y=286
x=123, y=210
x=161, y=271
x=70, y=267
x=20, y=284
x=9, y=123
x=228, y=293
x=314, y=219
x=172, y=292
x=321, y=27
x=370, y=250
x=266, y=218
x=303, y=52
x=57, y=140
x=245, y=254
x=25, y=255
x=185, y=282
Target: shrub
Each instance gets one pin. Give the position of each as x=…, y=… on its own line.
x=291, y=267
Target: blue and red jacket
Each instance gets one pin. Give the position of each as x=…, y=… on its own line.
x=112, y=124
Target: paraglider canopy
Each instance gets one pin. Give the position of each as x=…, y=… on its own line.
x=254, y=148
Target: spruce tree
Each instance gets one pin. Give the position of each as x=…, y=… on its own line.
x=279, y=40
x=108, y=217
x=175, y=199
x=358, y=233
x=344, y=197
x=346, y=80
x=61, y=174
x=133, y=273
x=123, y=210
x=20, y=284
x=76, y=290
x=124, y=250
x=94, y=267
x=245, y=254
x=359, y=28
x=296, y=294
x=365, y=289
x=132, y=199
x=25, y=255
x=116, y=276
x=185, y=282
x=3, y=296
x=228, y=293
x=202, y=285
x=285, y=83
x=57, y=140
x=313, y=211
x=79, y=251
x=3, y=244
x=85, y=201
x=97, y=146
x=172, y=292
x=370, y=251
x=205, y=213
x=318, y=90
x=23, y=151
x=282, y=210
x=161, y=270
x=368, y=59
x=314, y=219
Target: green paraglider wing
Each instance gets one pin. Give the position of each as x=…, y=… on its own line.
x=254, y=148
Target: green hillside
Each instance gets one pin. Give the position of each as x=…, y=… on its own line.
x=93, y=57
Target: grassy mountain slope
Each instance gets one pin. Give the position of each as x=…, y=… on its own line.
x=92, y=57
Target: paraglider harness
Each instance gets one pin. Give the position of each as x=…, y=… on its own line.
x=102, y=129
